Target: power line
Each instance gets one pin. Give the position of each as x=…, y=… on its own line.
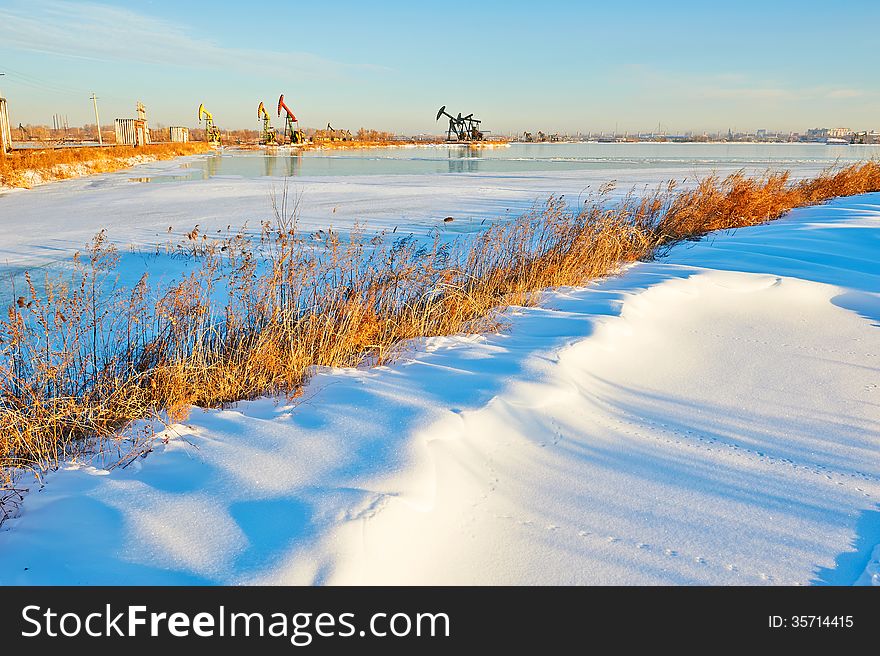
x=42, y=84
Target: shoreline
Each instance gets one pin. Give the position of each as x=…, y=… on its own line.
x=111, y=158
x=93, y=160
x=32, y=167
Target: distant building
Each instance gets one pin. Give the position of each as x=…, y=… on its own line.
x=178, y=134
x=840, y=133
x=133, y=131
x=816, y=134
x=761, y=134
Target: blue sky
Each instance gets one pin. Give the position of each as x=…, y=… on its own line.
x=552, y=65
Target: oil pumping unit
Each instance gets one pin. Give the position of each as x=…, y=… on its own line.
x=212, y=132
x=291, y=125
x=338, y=135
x=267, y=136
x=461, y=128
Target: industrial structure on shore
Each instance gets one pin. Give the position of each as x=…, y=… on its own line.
x=133, y=131
x=291, y=124
x=212, y=132
x=461, y=128
x=268, y=136
x=5, y=130
x=136, y=132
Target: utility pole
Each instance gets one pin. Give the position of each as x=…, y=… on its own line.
x=97, y=119
x=4, y=126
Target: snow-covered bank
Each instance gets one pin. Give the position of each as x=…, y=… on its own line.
x=34, y=177
x=708, y=418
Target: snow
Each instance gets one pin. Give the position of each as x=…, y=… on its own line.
x=707, y=418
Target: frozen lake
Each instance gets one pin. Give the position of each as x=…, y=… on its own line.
x=515, y=158
x=407, y=189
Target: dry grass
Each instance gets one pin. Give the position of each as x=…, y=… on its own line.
x=82, y=357
x=738, y=200
x=29, y=166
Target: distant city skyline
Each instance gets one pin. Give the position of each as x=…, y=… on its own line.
x=556, y=66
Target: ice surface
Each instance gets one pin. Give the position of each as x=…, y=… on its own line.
x=49, y=223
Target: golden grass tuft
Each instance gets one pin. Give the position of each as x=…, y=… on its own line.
x=81, y=357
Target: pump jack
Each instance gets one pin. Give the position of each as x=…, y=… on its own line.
x=291, y=125
x=338, y=135
x=268, y=135
x=212, y=132
x=463, y=128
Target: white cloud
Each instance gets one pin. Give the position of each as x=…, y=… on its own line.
x=102, y=32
